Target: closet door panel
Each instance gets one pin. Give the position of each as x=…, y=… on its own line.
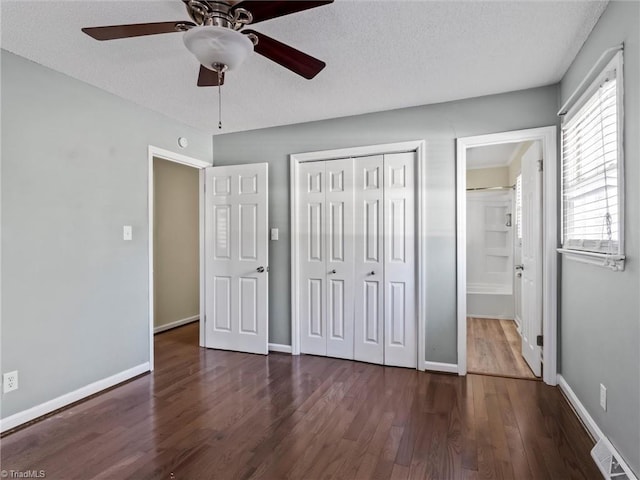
x=399, y=261
x=368, y=263
x=312, y=248
x=339, y=264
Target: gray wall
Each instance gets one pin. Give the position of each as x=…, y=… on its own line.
x=439, y=125
x=74, y=171
x=176, y=242
x=600, y=316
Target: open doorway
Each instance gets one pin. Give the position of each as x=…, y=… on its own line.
x=176, y=246
x=496, y=281
x=176, y=237
x=494, y=257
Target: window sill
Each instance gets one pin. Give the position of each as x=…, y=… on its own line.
x=612, y=262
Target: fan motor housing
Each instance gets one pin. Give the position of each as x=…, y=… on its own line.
x=208, y=12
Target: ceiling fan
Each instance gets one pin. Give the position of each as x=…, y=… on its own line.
x=219, y=40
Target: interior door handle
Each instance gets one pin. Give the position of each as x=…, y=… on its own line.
x=519, y=267
x=333, y=271
x=260, y=269
x=372, y=272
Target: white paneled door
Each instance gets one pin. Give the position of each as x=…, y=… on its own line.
x=357, y=268
x=339, y=252
x=399, y=260
x=326, y=257
x=369, y=260
x=313, y=270
x=237, y=279
x=531, y=251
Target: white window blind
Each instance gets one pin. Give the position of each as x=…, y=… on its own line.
x=591, y=168
x=519, y=207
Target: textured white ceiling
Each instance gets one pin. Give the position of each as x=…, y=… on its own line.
x=491, y=156
x=380, y=55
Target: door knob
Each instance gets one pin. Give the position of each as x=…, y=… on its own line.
x=333, y=271
x=372, y=272
x=260, y=269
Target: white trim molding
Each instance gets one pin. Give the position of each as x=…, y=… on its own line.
x=440, y=367
x=548, y=138
x=177, y=157
x=418, y=146
x=580, y=89
x=277, y=347
x=176, y=324
x=491, y=317
x=49, y=406
x=157, y=152
x=587, y=420
x=581, y=411
x=605, y=260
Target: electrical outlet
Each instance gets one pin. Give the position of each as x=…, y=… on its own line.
x=603, y=397
x=10, y=381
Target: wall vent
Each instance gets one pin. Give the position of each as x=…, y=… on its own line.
x=609, y=463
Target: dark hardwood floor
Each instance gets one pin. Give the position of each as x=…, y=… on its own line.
x=494, y=347
x=206, y=414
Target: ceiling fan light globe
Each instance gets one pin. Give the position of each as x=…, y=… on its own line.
x=213, y=45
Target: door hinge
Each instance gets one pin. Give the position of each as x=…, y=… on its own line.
x=539, y=341
x=540, y=166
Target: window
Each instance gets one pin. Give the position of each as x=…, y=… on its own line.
x=592, y=179
x=519, y=207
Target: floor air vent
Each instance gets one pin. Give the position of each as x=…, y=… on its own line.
x=608, y=462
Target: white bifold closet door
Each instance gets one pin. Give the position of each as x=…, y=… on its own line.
x=369, y=260
x=399, y=260
x=326, y=253
x=357, y=259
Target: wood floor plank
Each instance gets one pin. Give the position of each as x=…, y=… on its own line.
x=215, y=414
x=484, y=452
x=517, y=452
x=494, y=348
x=399, y=472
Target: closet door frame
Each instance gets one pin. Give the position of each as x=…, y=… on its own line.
x=417, y=146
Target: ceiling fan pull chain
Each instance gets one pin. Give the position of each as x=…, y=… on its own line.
x=219, y=100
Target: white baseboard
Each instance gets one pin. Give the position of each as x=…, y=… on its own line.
x=32, y=413
x=177, y=323
x=277, y=347
x=588, y=421
x=577, y=405
x=441, y=367
x=495, y=317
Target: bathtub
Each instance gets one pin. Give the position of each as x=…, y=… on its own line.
x=485, y=300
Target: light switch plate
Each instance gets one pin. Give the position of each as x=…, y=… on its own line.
x=274, y=234
x=127, y=232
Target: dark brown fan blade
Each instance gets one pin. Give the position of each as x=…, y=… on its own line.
x=295, y=60
x=135, y=30
x=264, y=10
x=208, y=78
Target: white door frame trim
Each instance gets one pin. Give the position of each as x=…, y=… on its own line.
x=547, y=136
x=418, y=146
x=156, y=152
